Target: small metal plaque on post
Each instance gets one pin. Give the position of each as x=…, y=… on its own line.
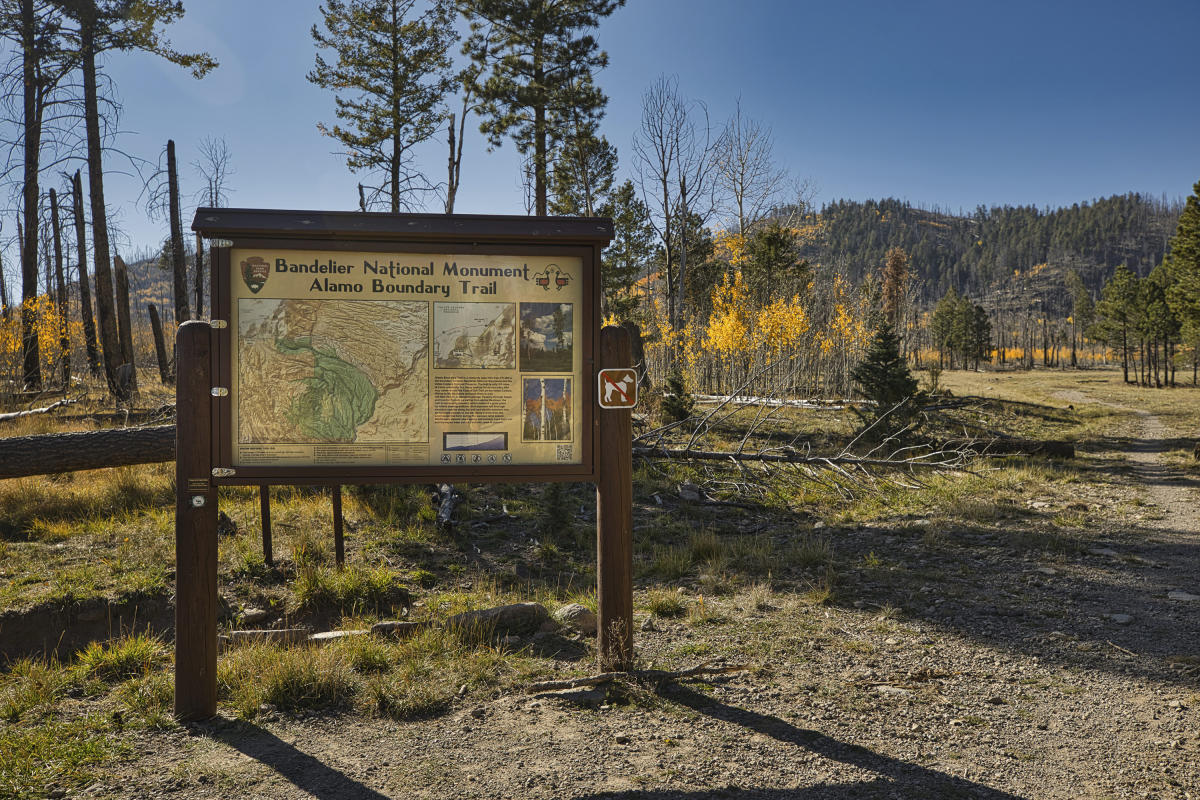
x=618, y=388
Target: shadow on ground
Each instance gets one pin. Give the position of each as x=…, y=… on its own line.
x=304, y=771
x=896, y=778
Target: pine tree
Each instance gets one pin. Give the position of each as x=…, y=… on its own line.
x=390, y=79
x=773, y=263
x=942, y=325
x=1117, y=312
x=536, y=72
x=677, y=401
x=883, y=377
x=1183, y=266
x=1083, y=310
x=629, y=253
x=583, y=174
x=981, y=335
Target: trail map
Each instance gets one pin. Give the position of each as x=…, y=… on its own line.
x=336, y=371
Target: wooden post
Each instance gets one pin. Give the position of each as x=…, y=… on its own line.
x=339, y=546
x=195, y=528
x=264, y=507
x=614, y=515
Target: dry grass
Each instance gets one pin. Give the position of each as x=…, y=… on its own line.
x=103, y=533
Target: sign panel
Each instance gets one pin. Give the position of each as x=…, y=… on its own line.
x=387, y=358
x=617, y=388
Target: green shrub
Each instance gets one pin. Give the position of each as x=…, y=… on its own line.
x=352, y=590
x=123, y=659
x=290, y=679
x=666, y=603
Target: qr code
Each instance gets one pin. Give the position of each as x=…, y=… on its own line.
x=564, y=452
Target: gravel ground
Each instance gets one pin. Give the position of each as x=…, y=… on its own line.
x=956, y=665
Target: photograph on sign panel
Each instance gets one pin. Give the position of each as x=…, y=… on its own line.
x=475, y=440
x=546, y=337
x=333, y=371
x=474, y=335
x=547, y=410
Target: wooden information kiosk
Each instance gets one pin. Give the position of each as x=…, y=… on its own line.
x=362, y=348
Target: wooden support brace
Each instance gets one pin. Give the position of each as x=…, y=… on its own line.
x=339, y=544
x=264, y=507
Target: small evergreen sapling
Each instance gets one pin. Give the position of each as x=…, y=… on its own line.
x=677, y=401
x=883, y=376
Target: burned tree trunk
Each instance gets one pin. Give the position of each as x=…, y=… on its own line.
x=128, y=382
x=160, y=347
x=64, y=335
x=27, y=234
x=111, y=348
x=3, y=293
x=85, y=292
x=199, y=277
x=178, y=264
x=639, y=353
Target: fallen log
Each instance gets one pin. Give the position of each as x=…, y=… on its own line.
x=33, y=411
x=123, y=419
x=1050, y=448
x=66, y=452
x=774, y=402
x=941, y=461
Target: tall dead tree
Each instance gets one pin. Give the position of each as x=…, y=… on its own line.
x=160, y=346
x=105, y=25
x=124, y=320
x=178, y=264
x=85, y=292
x=213, y=166
x=64, y=334
x=33, y=108
x=673, y=156
x=199, y=277
x=105, y=313
x=41, y=60
x=455, y=138
x=3, y=292
x=655, y=151
x=745, y=168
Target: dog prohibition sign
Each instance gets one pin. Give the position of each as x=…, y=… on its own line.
x=618, y=388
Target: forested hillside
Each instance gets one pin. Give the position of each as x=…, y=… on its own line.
x=980, y=253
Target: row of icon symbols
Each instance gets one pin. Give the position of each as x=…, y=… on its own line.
x=462, y=458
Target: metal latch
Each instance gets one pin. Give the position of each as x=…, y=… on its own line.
x=220, y=242
x=220, y=391
x=219, y=324
x=222, y=472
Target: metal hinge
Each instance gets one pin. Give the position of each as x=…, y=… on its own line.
x=219, y=324
x=220, y=242
x=222, y=472
x=220, y=391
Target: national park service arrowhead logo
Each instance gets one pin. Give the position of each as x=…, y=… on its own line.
x=255, y=271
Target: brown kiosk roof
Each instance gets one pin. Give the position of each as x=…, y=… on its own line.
x=466, y=228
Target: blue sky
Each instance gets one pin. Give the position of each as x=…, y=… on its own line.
x=949, y=104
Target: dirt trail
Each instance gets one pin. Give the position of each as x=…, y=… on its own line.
x=1176, y=496
x=1033, y=654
